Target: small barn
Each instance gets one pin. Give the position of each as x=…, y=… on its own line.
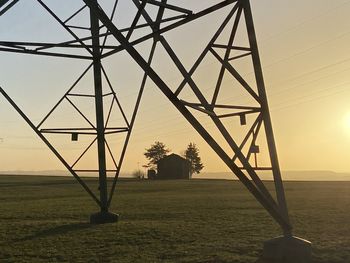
x=173, y=166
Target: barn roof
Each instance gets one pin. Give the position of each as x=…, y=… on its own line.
x=172, y=157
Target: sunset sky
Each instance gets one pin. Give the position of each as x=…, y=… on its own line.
x=305, y=52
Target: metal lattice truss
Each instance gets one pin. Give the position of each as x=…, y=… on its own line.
x=96, y=43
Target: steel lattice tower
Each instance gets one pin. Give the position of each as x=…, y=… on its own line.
x=95, y=48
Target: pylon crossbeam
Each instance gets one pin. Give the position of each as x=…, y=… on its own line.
x=207, y=48
x=24, y=47
x=171, y=7
x=186, y=20
x=65, y=26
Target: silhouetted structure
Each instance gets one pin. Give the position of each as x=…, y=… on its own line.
x=97, y=38
x=152, y=20
x=173, y=166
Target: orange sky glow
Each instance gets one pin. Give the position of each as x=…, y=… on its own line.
x=305, y=53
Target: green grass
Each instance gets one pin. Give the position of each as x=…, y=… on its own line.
x=45, y=219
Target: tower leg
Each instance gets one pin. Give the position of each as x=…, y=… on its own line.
x=287, y=248
x=266, y=113
x=104, y=216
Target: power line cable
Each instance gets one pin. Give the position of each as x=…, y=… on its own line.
x=303, y=23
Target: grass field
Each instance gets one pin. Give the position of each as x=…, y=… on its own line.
x=45, y=219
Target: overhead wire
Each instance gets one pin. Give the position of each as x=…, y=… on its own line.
x=303, y=23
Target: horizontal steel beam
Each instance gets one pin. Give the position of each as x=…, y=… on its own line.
x=40, y=53
x=177, y=24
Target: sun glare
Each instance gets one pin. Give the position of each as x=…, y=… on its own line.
x=347, y=121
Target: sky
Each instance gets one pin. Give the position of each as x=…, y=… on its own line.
x=305, y=54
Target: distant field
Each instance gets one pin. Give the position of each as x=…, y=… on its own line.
x=45, y=219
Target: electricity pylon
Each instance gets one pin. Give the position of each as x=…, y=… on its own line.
x=152, y=26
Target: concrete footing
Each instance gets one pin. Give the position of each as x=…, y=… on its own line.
x=103, y=218
x=285, y=249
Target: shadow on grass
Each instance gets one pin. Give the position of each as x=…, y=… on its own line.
x=58, y=230
x=261, y=260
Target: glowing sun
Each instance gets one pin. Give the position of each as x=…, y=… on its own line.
x=347, y=121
